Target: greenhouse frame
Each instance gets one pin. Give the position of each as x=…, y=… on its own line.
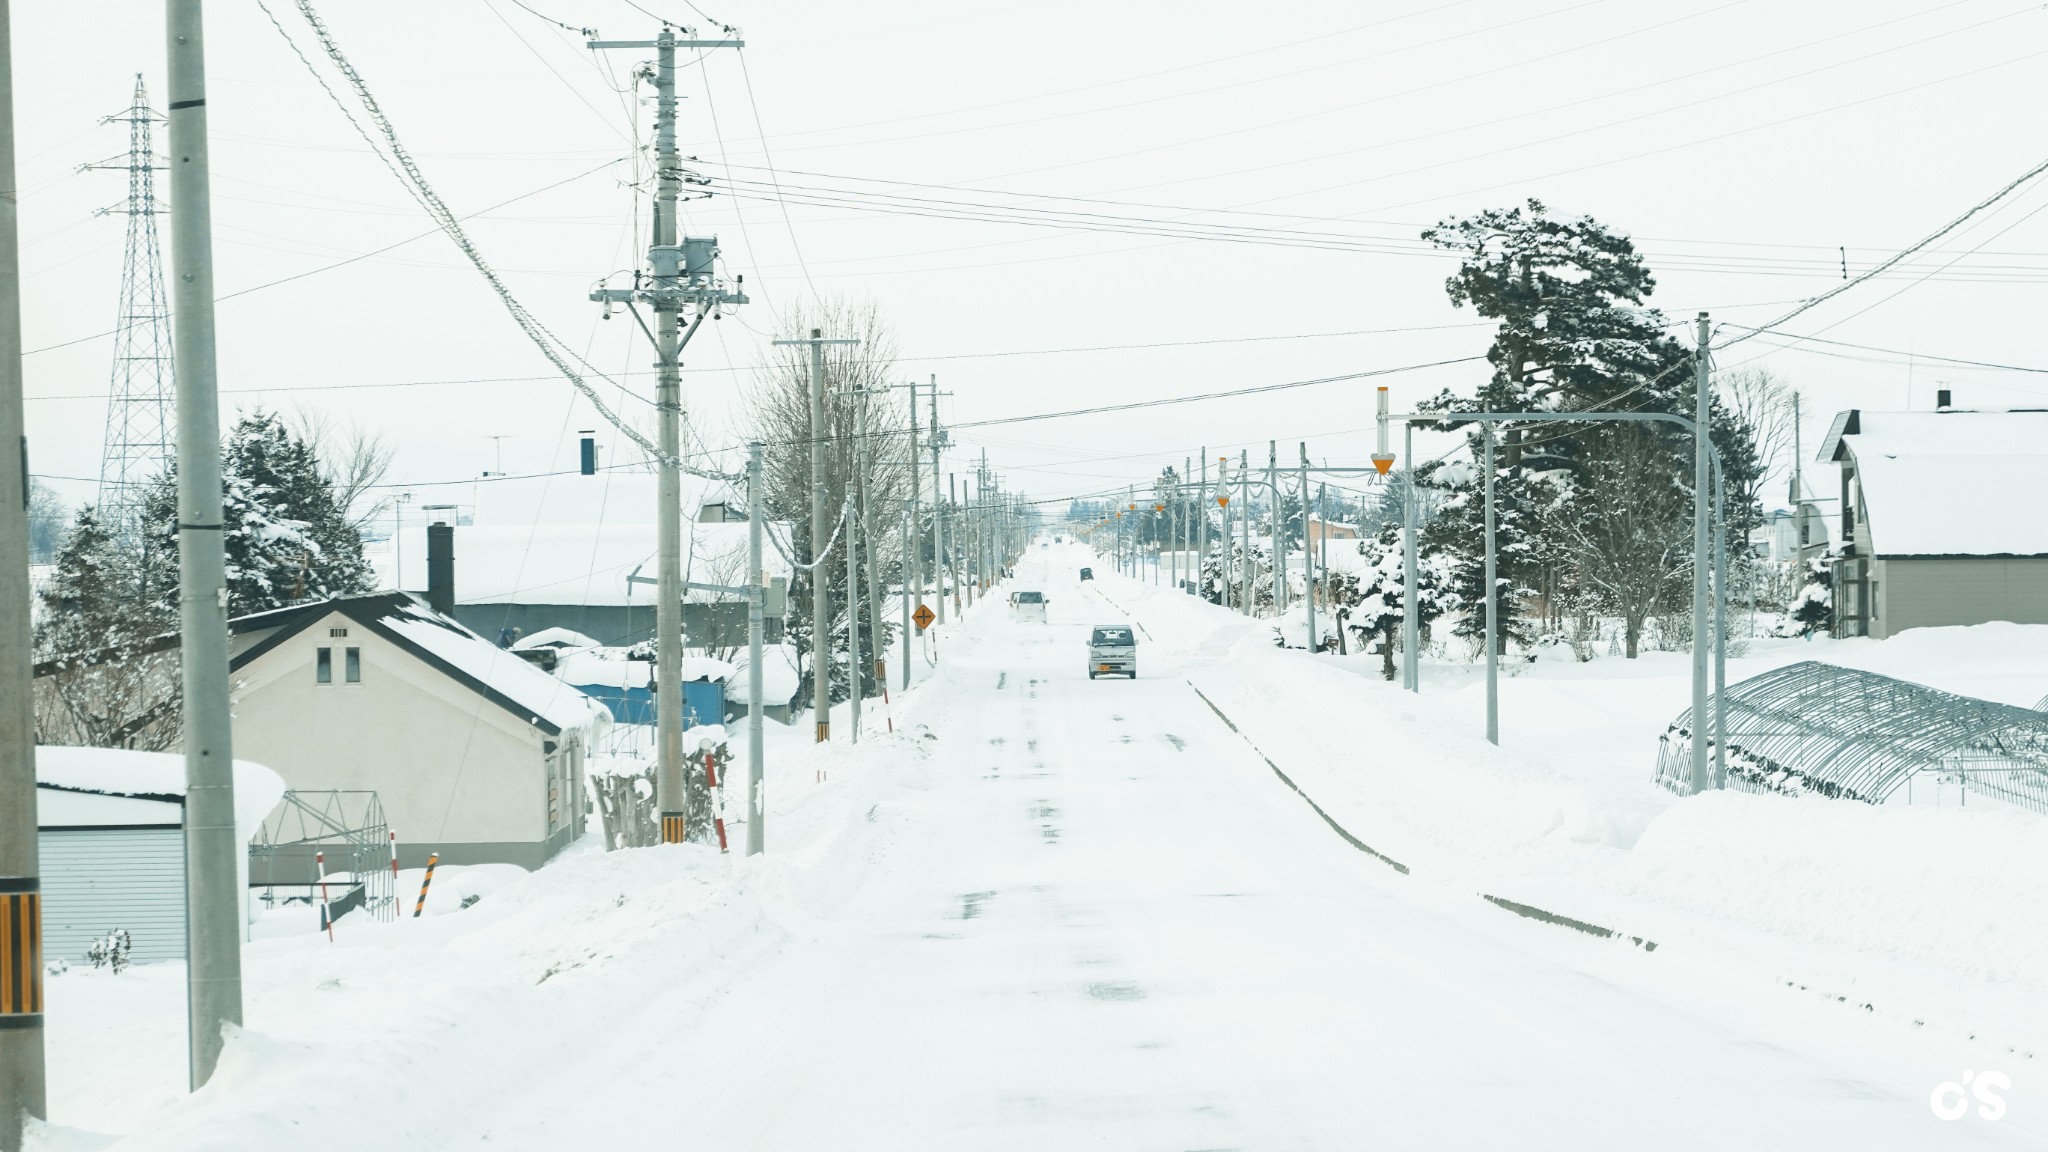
x=1853, y=735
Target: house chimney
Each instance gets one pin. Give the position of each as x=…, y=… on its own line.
x=441, y=568
x=1941, y=400
x=589, y=452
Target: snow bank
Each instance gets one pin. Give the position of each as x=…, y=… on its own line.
x=408, y=1034
x=1564, y=813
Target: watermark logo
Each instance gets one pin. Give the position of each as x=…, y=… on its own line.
x=1950, y=1099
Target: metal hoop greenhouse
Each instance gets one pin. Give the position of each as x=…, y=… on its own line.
x=1833, y=731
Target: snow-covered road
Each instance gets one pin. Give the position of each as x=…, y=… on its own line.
x=1048, y=912
x=1105, y=923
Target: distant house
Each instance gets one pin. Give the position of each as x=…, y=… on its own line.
x=1320, y=530
x=110, y=838
x=1941, y=519
x=576, y=553
x=473, y=752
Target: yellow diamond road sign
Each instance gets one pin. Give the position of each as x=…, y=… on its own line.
x=923, y=616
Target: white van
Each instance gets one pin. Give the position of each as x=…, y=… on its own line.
x=1028, y=606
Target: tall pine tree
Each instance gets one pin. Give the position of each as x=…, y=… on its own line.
x=286, y=535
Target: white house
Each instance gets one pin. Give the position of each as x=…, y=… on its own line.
x=1941, y=518
x=473, y=752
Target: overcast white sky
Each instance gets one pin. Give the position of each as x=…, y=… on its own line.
x=1741, y=142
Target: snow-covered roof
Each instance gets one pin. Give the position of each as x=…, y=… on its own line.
x=576, y=563
x=501, y=671
x=117, y=786
x=554, y=638
x=603, y=669
x=498, y=674
x=1949, y=483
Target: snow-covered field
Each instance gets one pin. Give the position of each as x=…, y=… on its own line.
x=1051, y=912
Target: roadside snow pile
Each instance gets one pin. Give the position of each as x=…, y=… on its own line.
x=1565, y=811
x=417, y=1033
x=1949, y=887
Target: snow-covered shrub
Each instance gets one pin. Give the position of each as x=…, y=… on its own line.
x=111, y=950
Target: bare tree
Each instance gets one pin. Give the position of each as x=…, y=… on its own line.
x=1761, y=401
x=353, y=460
x=857, y=383
x=1625, y=527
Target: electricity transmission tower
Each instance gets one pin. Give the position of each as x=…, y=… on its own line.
x=139, y=429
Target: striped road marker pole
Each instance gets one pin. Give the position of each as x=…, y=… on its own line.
x=718, y=794
x=426, y=881
x=326, y=912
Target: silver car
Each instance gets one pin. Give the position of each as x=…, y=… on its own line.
x=1113, y=648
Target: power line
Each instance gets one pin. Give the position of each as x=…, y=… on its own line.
x=402, y=165
x=358, y=258
x=1930, y=238
x=1798, y=339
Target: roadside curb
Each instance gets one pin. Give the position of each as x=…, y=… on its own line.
x=1528, y=911
x=1354, y=841
x=1538, y=914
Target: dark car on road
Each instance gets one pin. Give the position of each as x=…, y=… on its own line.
x=1087, y=573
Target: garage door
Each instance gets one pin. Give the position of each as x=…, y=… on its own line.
x=98, y=879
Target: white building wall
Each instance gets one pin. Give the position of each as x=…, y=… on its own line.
x=456, y=773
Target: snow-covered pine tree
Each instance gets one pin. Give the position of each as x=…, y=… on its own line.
x=1381, y=591
x=1574, y=334
x=1457, y=533
x=286, y=536
x=103, y=689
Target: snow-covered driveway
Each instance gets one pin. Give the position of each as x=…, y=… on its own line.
x=1106, y=924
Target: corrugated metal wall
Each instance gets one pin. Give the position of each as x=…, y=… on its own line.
x=1926, y=592
x=99, y=879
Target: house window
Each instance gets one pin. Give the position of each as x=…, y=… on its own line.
x=352, y=665
x=323, y=665
x=337, y=632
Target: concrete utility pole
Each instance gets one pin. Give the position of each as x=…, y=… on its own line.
x=1411, y=606
x=850, y=525
x=953, y=551
x=1279, y=545
x=1702, y=380
x=682, y=274
x=756, y=832
x=913, y=567
x=1246, y=570
x=939, y=511
x=22, y=1091
x=1200, y=524
x=1226, y=570
x=213, y=906
x=821, y=600
x=859, y=465
x=910, y=540
x=1492, y=608
x=1308, y=554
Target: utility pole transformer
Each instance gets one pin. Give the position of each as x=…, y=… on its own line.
x=213, y=904
x=22, y=1092
x=683, y=276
